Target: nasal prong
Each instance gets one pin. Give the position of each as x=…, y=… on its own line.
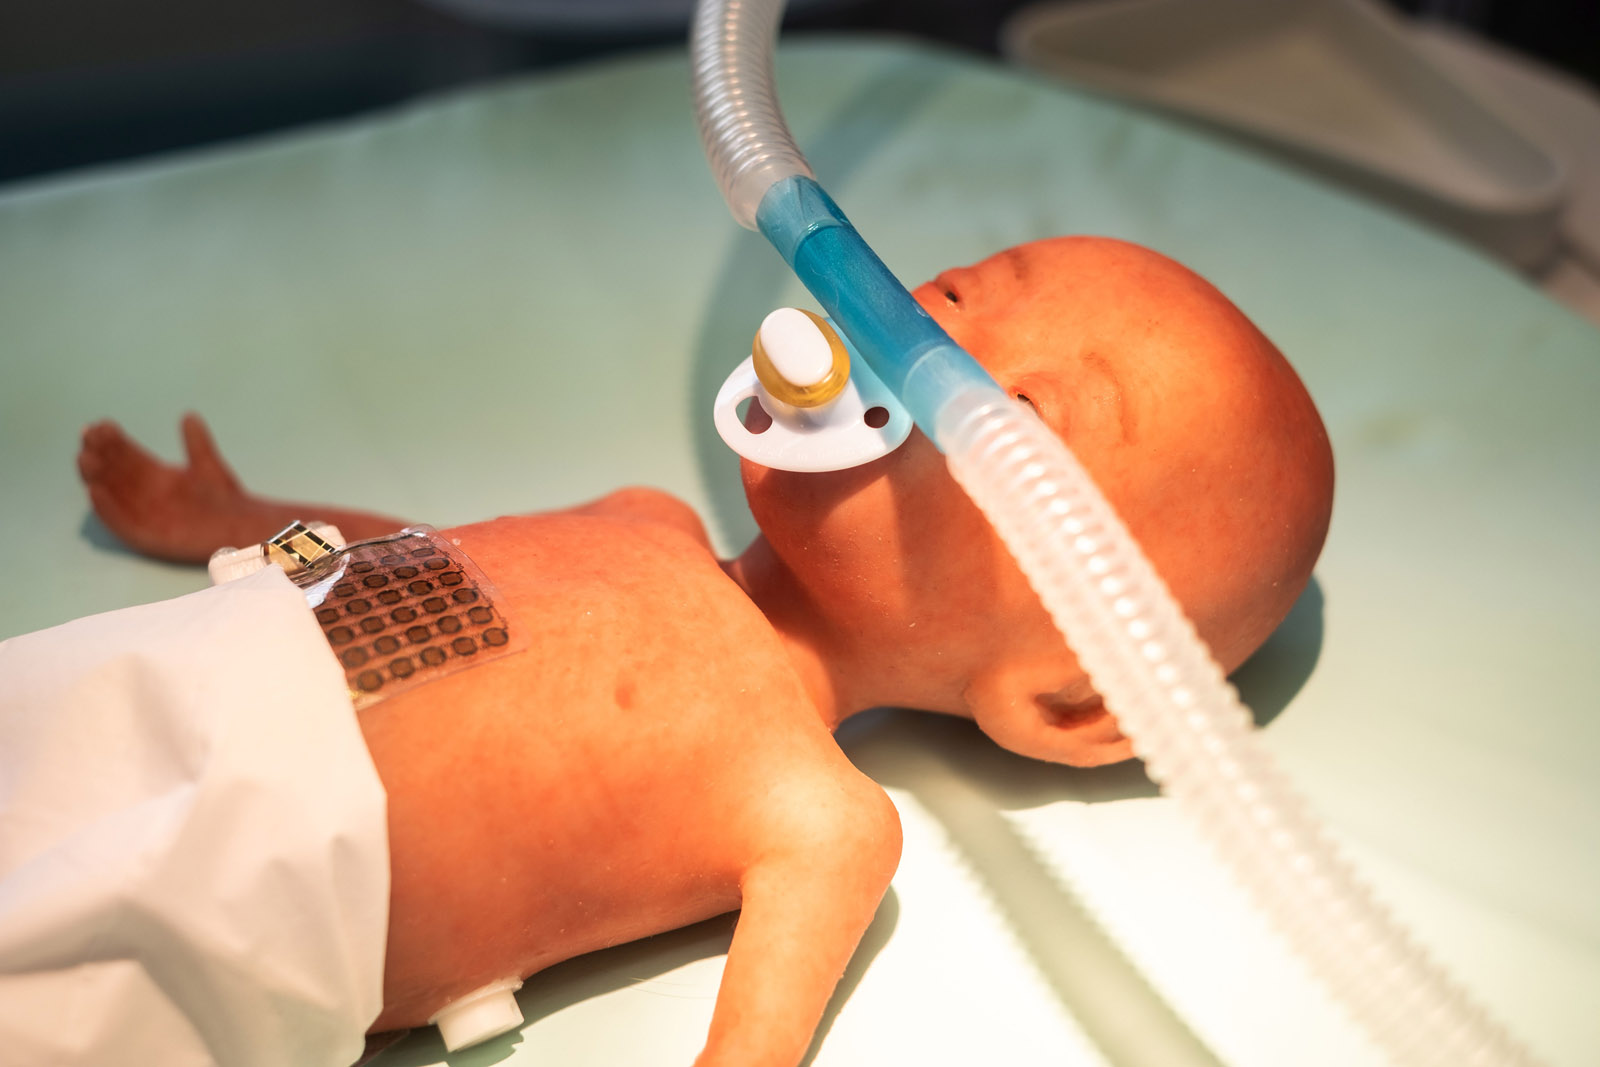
x=799, y=359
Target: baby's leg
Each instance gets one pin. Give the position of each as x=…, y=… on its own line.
x=184, y=513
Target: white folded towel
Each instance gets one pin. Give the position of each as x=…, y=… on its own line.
x=194, y=860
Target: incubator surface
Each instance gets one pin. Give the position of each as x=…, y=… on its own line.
x=519, y=297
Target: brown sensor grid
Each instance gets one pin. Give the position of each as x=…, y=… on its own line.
x=402, y=610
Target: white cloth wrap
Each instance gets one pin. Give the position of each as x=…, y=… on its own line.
x=194, y=861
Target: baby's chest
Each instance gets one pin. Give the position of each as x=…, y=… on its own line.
x=631, y=831
x=673, y=774
x=651, y=694
x=603, y=758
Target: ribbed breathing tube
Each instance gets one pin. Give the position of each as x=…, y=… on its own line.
x=1141, y=653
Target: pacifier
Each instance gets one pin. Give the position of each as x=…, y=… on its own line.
x=828, y=410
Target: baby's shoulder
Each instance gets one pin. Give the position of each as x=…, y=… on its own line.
x=650, y=506
x=626, y=570
x=815, y=804
x=615, y=540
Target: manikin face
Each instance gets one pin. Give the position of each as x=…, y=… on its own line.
x=1189, y=420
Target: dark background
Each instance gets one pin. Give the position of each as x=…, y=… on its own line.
x=90, y=81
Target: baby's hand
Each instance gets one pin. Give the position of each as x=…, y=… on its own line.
x=170, y=512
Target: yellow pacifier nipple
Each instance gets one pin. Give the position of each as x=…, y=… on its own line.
x=799, y=359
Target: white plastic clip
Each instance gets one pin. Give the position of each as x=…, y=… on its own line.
x=481, y=1014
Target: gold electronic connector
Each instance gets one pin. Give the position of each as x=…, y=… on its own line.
x=296, y=547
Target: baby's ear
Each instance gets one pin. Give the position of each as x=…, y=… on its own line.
x=1044, y=712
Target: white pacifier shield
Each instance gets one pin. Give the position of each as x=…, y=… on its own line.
x=835, y=436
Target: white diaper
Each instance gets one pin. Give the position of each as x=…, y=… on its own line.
x=193, y=852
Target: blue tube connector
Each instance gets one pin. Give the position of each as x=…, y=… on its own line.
x=901, y=342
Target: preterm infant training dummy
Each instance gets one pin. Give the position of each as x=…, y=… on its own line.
x=662, y=751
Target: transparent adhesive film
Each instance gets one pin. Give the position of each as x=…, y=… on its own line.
x=402, y=610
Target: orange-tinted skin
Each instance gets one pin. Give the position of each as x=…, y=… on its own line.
x=627, y=775
x=662, y=752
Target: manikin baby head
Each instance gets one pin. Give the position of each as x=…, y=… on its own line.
x=1190, y=421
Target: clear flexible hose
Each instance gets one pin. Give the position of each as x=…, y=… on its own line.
x=1197, y=739
x=741, y=128
x=1132, y=639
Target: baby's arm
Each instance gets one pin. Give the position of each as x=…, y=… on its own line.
x=185, y=513
x=806, y=903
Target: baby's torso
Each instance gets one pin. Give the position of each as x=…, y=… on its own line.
x=609, y=781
